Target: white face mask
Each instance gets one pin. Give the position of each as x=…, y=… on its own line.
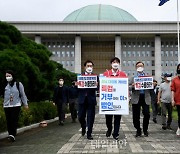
x=89, y=69
x=169, y=78
x=61, y=82
x=9, y=79
x=140, y=69
x=115, y=65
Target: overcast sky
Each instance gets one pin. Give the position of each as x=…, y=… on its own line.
x=57, y=10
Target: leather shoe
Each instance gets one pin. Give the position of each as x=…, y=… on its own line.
x=108, y=133
x=146, y=133
x=138, y=133
x=89, y=137
x=116, y=137
x=83, y=132
x=154, y=120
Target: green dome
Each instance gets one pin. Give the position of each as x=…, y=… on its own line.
x=100, y=12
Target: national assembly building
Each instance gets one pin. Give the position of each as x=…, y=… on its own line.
x=100, y=32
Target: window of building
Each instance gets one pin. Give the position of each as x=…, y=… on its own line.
x=68, y=53
x=124, y=63
x=129, y=53
x=152, y=53
x=147, y=53
x=153, y=72
x=134, y=44
x=153, y=63
x=162, y=44
x=72, y=53
x=171, y=63
x=54, y=44
x=124, y=44
x=167, y=63
x=162, y=63
x=63, y=44
x=152, y=44
x=166, y=53
x=138, y=54
x=148, y=44
x=176, y=63
x=49, y=44
x=54, y=52
x=63, y=53
x=176, y=53
x=167, y=44
x=129, y=44
x=129, y=63
x=124, y=53
x=143, y=54
x=63, y=63
x=58, y=44
x=148, y=63
x=133, y=63
x=72, y=63
x=171, y=44
x=171, y=53
x=134, y=53
x=139, y=44
x=143, y=44
x=162, y=53
x=67, y=63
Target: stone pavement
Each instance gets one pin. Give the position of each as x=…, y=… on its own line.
x=159, y=141
x=67, y=139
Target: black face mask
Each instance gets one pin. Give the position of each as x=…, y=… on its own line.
x=178, y=71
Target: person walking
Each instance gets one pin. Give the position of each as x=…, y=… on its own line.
x=114, y=72
x=175, y=88
x=73, y=94
x=60, y=99
x=14, y=96
x=154, y=98
x=165, y=98
x=140, y=98
x=87, y=103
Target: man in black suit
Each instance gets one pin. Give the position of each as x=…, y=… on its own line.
x=87, y=103
x=154, y=96
x=60, y=99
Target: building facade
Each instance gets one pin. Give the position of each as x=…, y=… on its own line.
x=101, y=36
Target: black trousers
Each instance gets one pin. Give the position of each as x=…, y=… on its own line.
x=73, y=109
x=136, y=108
x=117, y=119
x=89, y=109
x=12, y=117
x=178, y=110
x=61, y=111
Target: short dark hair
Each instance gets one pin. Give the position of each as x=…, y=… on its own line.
x=115, y=58
x=154, y=80
x=177, y=67
x=88, y=61
x=139, y=62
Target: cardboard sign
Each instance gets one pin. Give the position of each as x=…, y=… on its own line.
x=87, y=81
x=143, y=82
x=113, y=98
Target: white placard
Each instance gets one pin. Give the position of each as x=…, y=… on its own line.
x=143, y=82
x=87, y=81
x=113, y=98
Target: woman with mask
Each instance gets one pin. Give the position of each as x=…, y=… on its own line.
x=13, y=97
x=175, y=88
x=140, y=98
x=114, y=72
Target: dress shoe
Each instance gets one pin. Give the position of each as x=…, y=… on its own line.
x=154, y=120
x=83, y=132
x=146, y=133
x=138, y=134
x=108, y=133
x=116, y=137
x=89, y=137
x=164, y=127
x=169, y=127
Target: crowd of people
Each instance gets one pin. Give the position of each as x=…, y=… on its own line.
x=82, y=101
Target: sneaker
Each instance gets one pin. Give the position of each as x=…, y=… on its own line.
x=178, y=132
x=11, y=138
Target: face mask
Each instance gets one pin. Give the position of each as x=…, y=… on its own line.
x=89, y=70
x=115, y=65
x=140, y=69
x=9, y=79
x=61, y=82
x=169, y=78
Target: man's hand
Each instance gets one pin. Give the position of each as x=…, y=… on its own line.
x=26, y=107
x=173, y=103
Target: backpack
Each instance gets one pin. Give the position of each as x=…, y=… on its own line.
x=17, y=85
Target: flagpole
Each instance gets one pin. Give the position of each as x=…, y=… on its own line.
x=178, y=32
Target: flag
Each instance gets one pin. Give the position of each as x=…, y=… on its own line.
x=162, y=2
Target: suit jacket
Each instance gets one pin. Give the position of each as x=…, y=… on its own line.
x=90, y=93
x=154, y=94
x=65, y=96
x=135, y=93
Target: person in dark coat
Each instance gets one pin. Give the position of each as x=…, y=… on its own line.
x=60, y=99
x=73, y=94
x=87, y=103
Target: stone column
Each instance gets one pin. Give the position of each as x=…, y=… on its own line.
x=158, y=68
x=118, y=48
x=38, y=39
x=78, y=54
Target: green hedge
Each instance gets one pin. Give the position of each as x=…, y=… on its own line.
x=37, y=112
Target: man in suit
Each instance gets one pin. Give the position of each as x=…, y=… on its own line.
x=60, y=99
x=86, y=103
x=140, y=98
x=114, y=72
x=154, y=98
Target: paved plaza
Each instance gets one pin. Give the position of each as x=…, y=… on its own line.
x=67, y=139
